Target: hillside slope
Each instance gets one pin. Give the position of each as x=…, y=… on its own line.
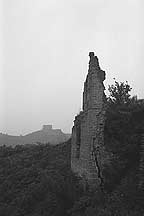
x=46, y=135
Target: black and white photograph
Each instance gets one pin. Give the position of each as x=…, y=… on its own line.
x=71, y=108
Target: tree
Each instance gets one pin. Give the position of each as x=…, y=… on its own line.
x=119, y=93
x=123, y=126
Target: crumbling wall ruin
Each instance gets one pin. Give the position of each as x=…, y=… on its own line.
x=88, y=129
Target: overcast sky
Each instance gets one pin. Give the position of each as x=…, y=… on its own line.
x=45, y=56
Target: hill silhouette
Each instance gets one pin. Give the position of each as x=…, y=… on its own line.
x=46, y=135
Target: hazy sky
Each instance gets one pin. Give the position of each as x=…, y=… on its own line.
x=45, y=56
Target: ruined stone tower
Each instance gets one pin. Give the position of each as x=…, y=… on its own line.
x=88, y=129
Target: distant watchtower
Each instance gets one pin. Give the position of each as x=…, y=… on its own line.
x=87, y=132
x=47, y=128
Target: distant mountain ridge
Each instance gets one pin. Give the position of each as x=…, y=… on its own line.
x=46, y=135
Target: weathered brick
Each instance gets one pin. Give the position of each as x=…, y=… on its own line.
x=87, y=132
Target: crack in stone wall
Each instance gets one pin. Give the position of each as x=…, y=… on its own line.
x=141, y=166
x=95, y=154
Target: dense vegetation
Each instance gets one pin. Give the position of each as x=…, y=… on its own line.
x=123, y=131
x=36, y=180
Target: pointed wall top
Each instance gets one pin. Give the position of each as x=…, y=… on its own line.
x=91, y=54
x=93, y=60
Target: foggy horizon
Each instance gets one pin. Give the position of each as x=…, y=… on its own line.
x=45, y=57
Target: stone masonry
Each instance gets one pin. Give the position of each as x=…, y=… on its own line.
x=88, y=129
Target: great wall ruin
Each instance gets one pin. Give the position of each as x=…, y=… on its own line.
x=88, y=155
x=88, y=129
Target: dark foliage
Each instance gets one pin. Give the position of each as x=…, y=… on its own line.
x=36, y=180
x=119, y=93
x=123, y=129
